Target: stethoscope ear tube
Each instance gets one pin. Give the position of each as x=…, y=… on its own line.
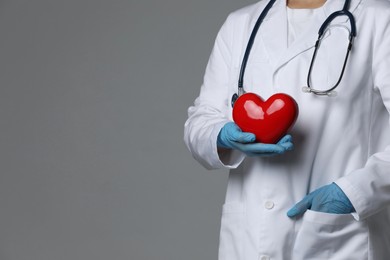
x=333, y=16
x=331, y=92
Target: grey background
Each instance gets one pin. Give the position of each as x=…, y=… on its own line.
x=93, y=99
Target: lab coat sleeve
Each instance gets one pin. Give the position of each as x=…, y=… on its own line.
x=368, y=188
x=209, y=113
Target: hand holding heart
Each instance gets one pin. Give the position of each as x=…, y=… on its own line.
x=263, y=123
x=231, y=137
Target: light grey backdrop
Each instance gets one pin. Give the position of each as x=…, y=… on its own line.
x=93, y=100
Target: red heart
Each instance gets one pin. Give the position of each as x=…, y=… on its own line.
x=269, y=120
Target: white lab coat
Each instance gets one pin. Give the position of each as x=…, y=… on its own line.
x=345, y=139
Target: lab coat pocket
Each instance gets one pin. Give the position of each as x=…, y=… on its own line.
x=331, y=237
x=232, y=232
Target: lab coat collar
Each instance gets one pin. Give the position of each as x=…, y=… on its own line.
x=274, y=31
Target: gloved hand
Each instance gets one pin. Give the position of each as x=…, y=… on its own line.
x=327, y=199
x=232, y=137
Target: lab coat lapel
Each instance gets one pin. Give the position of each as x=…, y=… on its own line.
x=274, y=31
x=304, y=41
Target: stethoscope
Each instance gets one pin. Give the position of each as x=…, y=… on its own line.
x=307, y=89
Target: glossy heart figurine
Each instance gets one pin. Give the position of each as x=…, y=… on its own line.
x=269, y=120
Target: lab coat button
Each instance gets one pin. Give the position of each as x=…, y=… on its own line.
x=264, y=257
x=269, y=205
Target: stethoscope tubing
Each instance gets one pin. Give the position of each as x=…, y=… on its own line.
x=252, y=40
x=321, y=31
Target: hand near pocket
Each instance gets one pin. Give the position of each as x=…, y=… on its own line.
x=327, y=199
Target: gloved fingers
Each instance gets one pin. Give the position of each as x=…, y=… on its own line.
x=256, y=149
x=262, y=154
x=287, y=145
x=236, y=135
x=245, y=137
x=331, y=199
x=285, y=139
x=286, y=142
x=335, y=207
x=301, y=207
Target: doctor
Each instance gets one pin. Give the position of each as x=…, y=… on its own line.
x=329, y=197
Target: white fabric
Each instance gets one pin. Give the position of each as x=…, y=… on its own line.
x=298, y=20
x=345, y=139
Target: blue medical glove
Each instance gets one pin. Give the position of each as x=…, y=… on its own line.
x=327, y=199
x=232, y=137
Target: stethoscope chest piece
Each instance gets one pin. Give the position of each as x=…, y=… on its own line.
x=234, y=98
